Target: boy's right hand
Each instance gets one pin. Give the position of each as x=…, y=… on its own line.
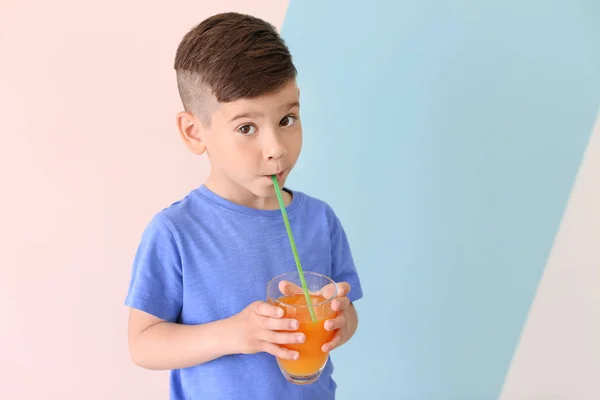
x=255, y=330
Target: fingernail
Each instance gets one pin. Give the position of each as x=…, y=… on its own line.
x=295, y=356
x=300, y=338
x=294, y=325
x=279, y=312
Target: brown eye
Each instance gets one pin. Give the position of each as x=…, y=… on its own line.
x=288, y=120
x=246, y=130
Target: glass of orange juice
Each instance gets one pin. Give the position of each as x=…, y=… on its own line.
x=285, y=291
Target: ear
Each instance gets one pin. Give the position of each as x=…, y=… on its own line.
x=192, y=131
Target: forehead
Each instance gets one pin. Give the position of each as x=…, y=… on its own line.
x=273, y=102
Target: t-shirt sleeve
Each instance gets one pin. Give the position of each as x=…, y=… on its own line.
x=343, y=268
x=156, y=277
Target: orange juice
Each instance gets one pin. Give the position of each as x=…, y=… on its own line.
x=312, y=358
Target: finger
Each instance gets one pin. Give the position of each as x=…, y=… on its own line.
x=283, y=337
x=268, y=310
x=335, y=342
x=343, y=289
x=286, y=288
x=335, y=323
x=280, y=324
x=327, y=291
x=340, y=304
x=278, y=351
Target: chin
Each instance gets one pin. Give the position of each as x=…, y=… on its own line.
x=265, y=188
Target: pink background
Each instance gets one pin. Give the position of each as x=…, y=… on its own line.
x=89, y=153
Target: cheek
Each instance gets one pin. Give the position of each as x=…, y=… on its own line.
x=294, y=143
x=242, y=156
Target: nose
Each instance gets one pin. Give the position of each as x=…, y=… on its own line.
x=273, y=147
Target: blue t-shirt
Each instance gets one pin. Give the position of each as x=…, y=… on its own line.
x=205, y=258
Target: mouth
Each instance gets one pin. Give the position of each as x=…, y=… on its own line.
x=279, y=175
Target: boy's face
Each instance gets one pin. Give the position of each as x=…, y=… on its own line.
x=248, y=140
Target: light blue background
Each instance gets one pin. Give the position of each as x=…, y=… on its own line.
x=447, y=136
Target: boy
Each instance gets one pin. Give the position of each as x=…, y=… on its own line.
x=201, y=270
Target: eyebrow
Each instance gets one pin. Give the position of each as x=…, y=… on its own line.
x=291, y=105
x=246, y=115
x=258, y=114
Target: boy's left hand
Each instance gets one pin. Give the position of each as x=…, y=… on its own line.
x=345, y=321
x=340, y=323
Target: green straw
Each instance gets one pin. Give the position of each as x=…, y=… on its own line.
x=293, y=244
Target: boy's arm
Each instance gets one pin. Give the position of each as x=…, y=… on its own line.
x=159, y=345
x=352, y=317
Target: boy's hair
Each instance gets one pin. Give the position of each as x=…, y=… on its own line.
x=230, y=56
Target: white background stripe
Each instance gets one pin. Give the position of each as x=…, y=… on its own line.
x=558, y=356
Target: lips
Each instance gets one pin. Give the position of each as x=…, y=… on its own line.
x=278, y=174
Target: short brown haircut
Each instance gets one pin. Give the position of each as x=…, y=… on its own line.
x=231, y=56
